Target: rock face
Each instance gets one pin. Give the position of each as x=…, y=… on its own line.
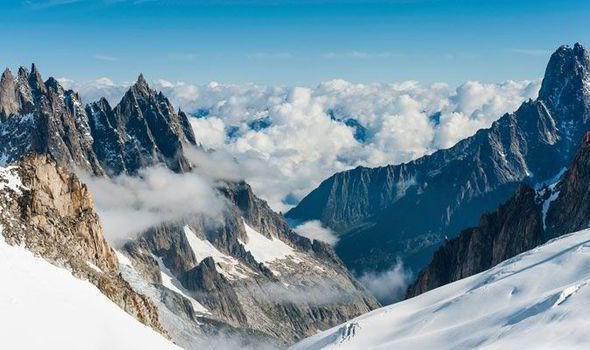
x=514, y=228
x=42, y=117
x=142, y=130
x=570, y=211
x=406, y=210
x=249, y=272
x=48, y=210
x=215, y=290
x=528, y=219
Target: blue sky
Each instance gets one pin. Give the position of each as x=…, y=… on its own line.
x=290, y=42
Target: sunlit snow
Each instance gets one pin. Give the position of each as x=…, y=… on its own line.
x=264, y=249
x=43, y=306
x=536, y=300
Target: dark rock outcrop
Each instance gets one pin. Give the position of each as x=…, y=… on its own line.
x=406, y=210
x=211, y=289
x=528, y=219
x=150, y=131
x=570, y=211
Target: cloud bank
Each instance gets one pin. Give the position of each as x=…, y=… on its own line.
x=286, y=140
x=314, y=229
x=129, y=205
x=387, y=286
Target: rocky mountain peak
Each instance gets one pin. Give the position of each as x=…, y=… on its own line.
x=23, y=74
x=8, y=103
x=54, y=86
x=566, y=76
x=143, y=130
x=103, y=103
x=35, y=80
x=7, y=75
x=141, y=88
x=141, y=80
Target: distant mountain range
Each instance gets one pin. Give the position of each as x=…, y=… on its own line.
x=409, y=210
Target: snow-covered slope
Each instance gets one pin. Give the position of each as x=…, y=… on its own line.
x=43, y=306
x=536, y=300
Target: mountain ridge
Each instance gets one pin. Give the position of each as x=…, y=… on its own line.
x=199, y=275
x=380, y=211
x=529, y=218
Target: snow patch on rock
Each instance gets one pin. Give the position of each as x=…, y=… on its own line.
x=226, y=265
x=265, y=249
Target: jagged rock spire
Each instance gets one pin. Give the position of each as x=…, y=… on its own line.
x=8, y=102
x=141, y=80
x=7, y=74
x=140, y=88
x=566, y=72
x=36, y=81
x=34, y=69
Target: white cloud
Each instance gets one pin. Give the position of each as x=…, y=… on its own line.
x=129, y=205
x=387, y=286
x=210, y=132
x=303, y=145
x=315, y=230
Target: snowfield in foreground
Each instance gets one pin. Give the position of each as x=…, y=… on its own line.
x=537, y=300
x=43, y=306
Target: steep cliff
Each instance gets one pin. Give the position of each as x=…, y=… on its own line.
x=514, y=228
x=570, y=211
x=528, y=219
